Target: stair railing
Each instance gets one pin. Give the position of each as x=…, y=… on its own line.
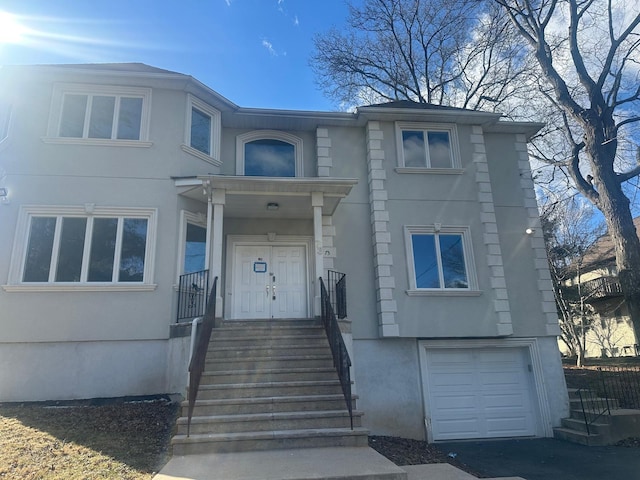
x=192, y=295
x=337, y=289
x=341, y=360
x=197, y=361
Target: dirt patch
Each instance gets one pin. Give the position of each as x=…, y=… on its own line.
x=404, y=451
x=116, y=441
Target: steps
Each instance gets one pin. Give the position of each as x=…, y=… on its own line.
x=268, y=385
x=604, y=429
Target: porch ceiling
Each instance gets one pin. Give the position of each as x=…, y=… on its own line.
x=247, y=197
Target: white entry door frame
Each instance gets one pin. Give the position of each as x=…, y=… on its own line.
x=268, y=277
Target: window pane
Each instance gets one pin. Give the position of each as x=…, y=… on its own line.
x=200, y=131
x=130, y=118
x=134, y=241
x=103, y=247
x=71, y=249
x=425, y=262
x=38, y=260
x=194, y=252
x=413, y=147
x=439, y=150
x=73, y=112
x=101, y=120
x=452, y=254
x=269, y=158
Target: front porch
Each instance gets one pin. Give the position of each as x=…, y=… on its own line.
x=267, y=240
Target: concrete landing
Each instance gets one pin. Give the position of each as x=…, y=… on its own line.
x=442, y=471
x=357, y=463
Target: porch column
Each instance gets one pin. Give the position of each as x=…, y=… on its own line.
x=317, y=201
x=218, y=201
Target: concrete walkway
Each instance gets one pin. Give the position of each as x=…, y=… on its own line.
x=348, y=463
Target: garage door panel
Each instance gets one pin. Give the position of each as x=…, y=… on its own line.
x=479, y=393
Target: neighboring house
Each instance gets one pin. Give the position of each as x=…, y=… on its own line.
x=595, y=281
x=120, y=178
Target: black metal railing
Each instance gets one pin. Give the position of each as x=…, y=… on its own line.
x=605, y=389
x=337, y=290
x=198, y=357
x=602, y=287
x=192, y=295
x=341, y=360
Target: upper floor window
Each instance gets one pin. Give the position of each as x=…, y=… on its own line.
x=427, y=147
x=439, y=258
x=268, y=153
x=67, y=245
x=202, y=132
x=100, y=114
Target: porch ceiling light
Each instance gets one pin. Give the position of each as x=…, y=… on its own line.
x=272, y=206
x=4, y=195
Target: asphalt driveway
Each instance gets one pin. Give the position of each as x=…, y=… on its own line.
x=546, y=459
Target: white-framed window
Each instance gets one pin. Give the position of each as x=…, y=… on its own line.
x=100, y=114
x=431, y=148
x=440, y=259
x=87, y=246
x=202, y=131
x=269, y=153
x=193, y=242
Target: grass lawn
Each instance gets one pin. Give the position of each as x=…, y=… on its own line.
x=126, y=441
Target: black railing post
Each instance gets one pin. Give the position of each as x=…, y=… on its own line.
x=197, y=361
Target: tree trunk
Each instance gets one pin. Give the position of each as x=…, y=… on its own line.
x=615, y=207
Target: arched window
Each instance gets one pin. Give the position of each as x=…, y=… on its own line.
x=266, y=153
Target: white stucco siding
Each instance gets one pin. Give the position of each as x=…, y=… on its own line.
x=387, y=374
x=77, y=370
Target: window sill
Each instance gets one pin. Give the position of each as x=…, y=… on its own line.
x=84, y=287
x=433, y=171
x=96, y=142
x=200, y=155
x=443, y=293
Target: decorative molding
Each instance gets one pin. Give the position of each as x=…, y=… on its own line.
x=323, y=152
x=536, y=240
x=381, y=238
x=268, y=134
x=491, y=239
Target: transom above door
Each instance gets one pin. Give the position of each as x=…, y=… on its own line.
x=269, y=281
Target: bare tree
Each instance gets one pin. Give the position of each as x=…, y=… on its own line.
x=588, y=53
x=460, y=53
x=569, y=233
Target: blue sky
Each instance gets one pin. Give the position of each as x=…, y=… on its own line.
x=254, y=52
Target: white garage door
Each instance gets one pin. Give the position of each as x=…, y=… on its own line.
x=479, y=393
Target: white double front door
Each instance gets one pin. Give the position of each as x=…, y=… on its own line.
x=269, y=282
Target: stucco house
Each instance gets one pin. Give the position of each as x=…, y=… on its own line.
x=117, y=179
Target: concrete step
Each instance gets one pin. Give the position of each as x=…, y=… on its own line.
x=240, y=352
x=581, y=438
x=266, y=341
x=268, y=375
x=269, y=389
x=231, y=406
x=593, y=402
x=270, y=440
x=282, y=360
x=346, y=463
x=261, y=422
x=589, y=414
x=252, y=325
x=600, y=427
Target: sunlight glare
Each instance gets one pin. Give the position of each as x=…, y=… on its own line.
x=11, y=31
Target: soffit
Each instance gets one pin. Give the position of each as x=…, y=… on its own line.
x=247, y=197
